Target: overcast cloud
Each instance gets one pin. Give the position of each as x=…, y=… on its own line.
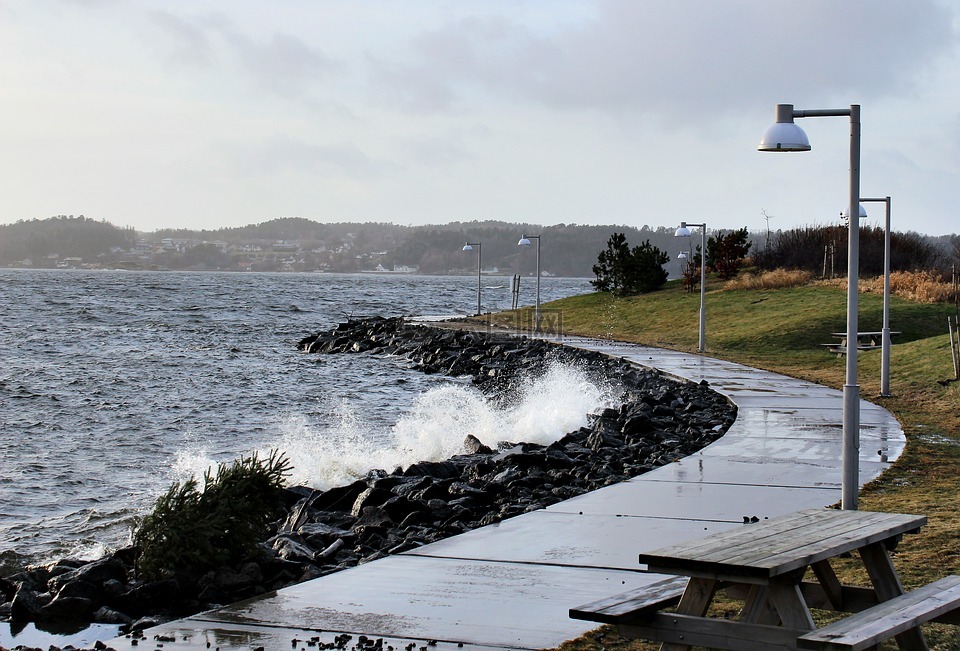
x=212, y=113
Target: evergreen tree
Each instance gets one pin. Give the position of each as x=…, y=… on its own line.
x=726, y=253
x=625, y=271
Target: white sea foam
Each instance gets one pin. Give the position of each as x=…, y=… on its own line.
x=193, y=462
x=436, y=425
x=87, y=550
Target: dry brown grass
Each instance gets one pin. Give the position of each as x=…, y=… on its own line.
x=919, y=286
x=776, y=279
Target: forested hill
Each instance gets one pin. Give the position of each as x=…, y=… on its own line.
x=302, y=244
x=66, y=237
x=567, y=249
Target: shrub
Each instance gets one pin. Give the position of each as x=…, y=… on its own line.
x=919, y=286
x=192, y=531
x=776, y=279
x=691, y=272
x=808, y=247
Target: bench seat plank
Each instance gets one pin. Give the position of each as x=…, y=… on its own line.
x=887, y=619
x=632, y=604
x=685, y=630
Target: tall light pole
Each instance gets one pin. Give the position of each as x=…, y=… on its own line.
x=885, y=331
x=525, y=241
x=469, y=247
x=785, y=135
x=684, y=231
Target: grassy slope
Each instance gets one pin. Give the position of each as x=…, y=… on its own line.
x=781, y=330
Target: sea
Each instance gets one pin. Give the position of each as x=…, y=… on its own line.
x=114, y=385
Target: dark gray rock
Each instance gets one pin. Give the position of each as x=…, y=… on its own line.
x=150, y=598
x=319, y=535
x=472, y=445
x=340, y=498
x=68, y=609
x=26, y=605
x=144, y=623
x=368, y=498
x=433, y=469
x=80, y=588
x=292, y=547
x=105, y=615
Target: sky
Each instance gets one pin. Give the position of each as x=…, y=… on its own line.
x=205, y=114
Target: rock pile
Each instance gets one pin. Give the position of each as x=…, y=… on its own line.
x=659, y=420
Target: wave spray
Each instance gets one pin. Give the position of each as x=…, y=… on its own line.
x=547, y=407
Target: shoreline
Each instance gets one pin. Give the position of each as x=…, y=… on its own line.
x=660, y=420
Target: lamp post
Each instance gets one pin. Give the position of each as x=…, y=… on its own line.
x=684, y=231
x=469, y=247
x=885, y=331
x=785, y=135
x=525, y=241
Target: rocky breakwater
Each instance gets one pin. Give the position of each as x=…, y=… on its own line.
x=658, y=421
x=389, y=511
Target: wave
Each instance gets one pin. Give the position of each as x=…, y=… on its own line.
x=435, y=427
x=348, y=445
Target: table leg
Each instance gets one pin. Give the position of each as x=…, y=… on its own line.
x=788, y=599
x=757, y=607
x=695, y=601
x=830, y=583
x=887, y=584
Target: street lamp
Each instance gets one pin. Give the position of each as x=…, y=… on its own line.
x=885, y=331
x=525, y=241
x=683, y=231
x=785, y=135
x=469, y=247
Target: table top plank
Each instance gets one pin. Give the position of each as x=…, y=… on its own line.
x=769, y=535
x=781, y=545
x=821, y=543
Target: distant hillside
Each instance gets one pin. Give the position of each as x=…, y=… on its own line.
x=567, y=249
x=62, y=236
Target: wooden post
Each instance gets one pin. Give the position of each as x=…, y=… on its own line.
x=956, y=347
x=953, y=349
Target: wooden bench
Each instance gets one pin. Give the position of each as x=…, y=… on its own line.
x=634, y=604
x=867, y=628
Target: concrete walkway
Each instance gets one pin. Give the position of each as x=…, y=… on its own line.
x=510, y=585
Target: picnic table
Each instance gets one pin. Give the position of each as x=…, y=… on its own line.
x=764, y=565
x=867, y=340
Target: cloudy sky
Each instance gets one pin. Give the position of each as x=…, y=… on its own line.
x=214, y=113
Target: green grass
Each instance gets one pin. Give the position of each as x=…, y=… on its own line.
x=781, y=330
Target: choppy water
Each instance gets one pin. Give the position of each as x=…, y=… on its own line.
x=115, y=384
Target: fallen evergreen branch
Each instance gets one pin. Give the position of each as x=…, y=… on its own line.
x=193, y=530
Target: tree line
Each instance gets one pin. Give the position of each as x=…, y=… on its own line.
x=821, y=250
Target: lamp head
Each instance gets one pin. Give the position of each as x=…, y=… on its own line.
x=682, y=255
x=524, y=241
x=784, y=134
x=682, y=231
x=468, y=247
x=845, y=215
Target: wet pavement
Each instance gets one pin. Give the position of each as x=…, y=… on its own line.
x=510, y=585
